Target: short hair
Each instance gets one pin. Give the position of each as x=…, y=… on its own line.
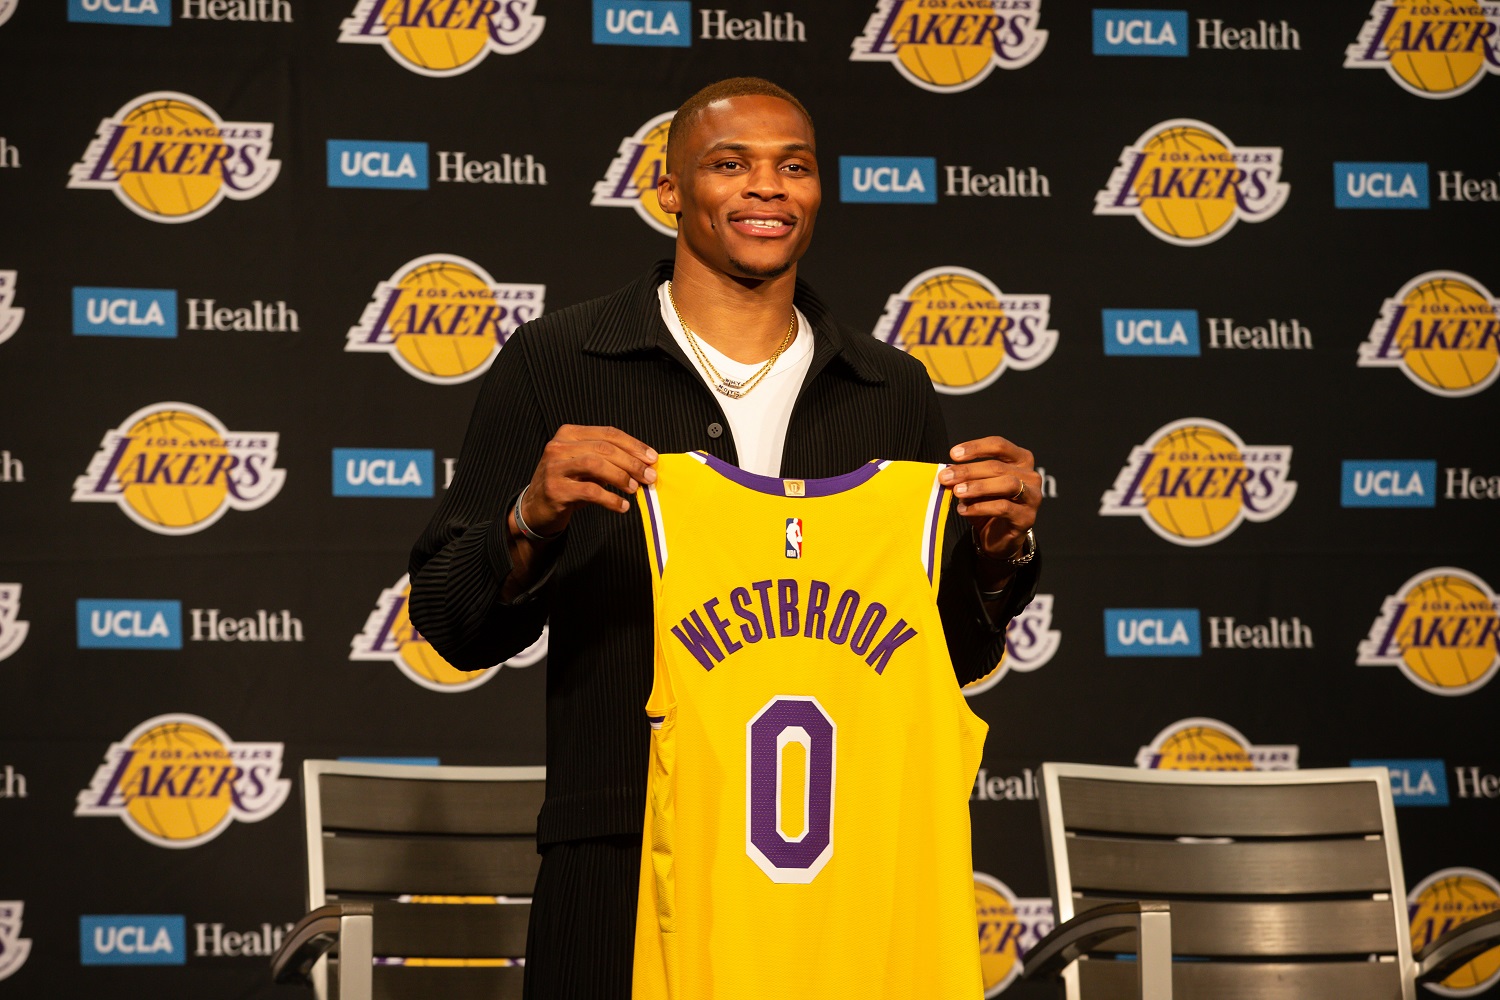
x=736, y=86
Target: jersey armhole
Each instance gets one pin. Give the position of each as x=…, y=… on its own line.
x=659, y=703
x=934, y=528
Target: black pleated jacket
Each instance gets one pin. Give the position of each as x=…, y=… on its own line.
x=612, y=361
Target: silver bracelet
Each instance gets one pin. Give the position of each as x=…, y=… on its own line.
x=521, y=521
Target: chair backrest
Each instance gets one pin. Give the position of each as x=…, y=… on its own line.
x=1283, y=884
x=447, y=855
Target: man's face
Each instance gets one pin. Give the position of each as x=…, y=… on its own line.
x=744, y=185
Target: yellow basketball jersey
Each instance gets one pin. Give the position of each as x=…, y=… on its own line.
x=807, y=818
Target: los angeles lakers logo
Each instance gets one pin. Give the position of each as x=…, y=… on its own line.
x=630, y=181
x=12, y=629
x=1030, y=643
x=1008, y=927
x=1431, y=48
x=1442, y=628
x=950, y=45
x=957, y=323
x=1188, y=184
x=1200, y=744
x=14, y=949
x=1444, y=900
x=175, y=469
x=443, y=318
x=389, y=636
x=1442, y=329
x=178, y=781
x=10, y=316
x=1194, y=481
x=443, y=37
x=169, y=157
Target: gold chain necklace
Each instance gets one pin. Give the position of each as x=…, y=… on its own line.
x=733, y=388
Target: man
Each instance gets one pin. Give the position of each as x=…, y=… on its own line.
x=573, y=415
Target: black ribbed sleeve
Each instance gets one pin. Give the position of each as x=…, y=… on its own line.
x=611, y=361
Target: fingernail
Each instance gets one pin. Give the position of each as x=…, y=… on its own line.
x=624, y=506
x=633, y=486
x=651, y=455
x=958, y=451
x=650, y=475
x=945, y=477
x=961, y=489
x=962, y=508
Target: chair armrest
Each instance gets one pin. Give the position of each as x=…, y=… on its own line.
x=1443, y=956
x=1152, y=922
x=347, y=925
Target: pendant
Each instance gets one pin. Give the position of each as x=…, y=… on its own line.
x=732, y=393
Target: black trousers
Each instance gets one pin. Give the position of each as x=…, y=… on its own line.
x=581, y=941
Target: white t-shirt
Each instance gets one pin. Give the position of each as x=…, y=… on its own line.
x=759, y=419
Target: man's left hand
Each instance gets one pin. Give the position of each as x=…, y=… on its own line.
x=997, y=489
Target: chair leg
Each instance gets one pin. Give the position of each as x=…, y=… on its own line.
x=356, y=957
x=1154, y=961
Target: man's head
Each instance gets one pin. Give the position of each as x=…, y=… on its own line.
x=742, y=177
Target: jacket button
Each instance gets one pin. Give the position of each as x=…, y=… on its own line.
x=716, y=430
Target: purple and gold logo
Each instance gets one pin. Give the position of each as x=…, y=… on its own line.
x=1442, y=628
x=950, y=45
x=630, y=181
x=1008, y=927
x=169, y=157
x=1431, y=48
x=1200, y=744
x=1442, y=329
x=1030, y=644
x=175, y=469
x=443, y=37
x=1444, y=900
x=1188, y=184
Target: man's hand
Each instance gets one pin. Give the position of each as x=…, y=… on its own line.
x=987, y=480
x=576, y=466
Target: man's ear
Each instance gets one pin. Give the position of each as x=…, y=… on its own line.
x=666, y=194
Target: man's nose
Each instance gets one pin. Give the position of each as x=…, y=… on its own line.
x=765, y=182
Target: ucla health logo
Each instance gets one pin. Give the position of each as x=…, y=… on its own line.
x=1152, y=632
x=138, y=939
x=643, y=22
x=10, y=315
x=12, y=629
x=1442, y=329
x=148, y=13
x=169, y=157
x=630, y=181
x=173, y=468
x=1380, y=185
x=125, y=312
x=1194, y=481
x=443, y=37
x=1008, y=927
x=382, y=472
x=390, y=637
x=950, y=45
x=888, y=179
x=1188, y=184
x=13, y=947
x=1151, y=332
x=109, y=624
x=1030, y=644
x=178, y=780
x=1390, y=483
x=1140, y=33
x=361, y=163
x=959, y=325
x=1444, y=900
x=1442, y=628
x=1431, y=48
x=1413, y=782
x=1201, y=744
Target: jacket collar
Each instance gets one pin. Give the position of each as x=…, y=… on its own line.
x=631, y=321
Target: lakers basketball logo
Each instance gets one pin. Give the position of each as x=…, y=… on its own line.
x=169, y=157
x=443, y=37
x=175, y=469
x=1431, y=48
x=12, y=629
x=178, y=781
x=389, y=636
x=1442, y=329
x=443, y=318
x=1194, y=481
x=1030, y=643
x=1188, y=184
x=950, y=45
x=1210, y=745
x=959, y=325
x=1441, y=628
x=14, y=949
x=10, y=316
x=1444, y=900
x=630, y=181
x=1008, y=927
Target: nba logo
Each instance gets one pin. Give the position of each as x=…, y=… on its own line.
x=794, y=538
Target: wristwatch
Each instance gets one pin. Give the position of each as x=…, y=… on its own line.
x=1028, y=553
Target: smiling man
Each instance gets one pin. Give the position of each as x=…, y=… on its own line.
x=722, y=351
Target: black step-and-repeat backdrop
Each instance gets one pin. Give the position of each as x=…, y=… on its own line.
x=1227, y=270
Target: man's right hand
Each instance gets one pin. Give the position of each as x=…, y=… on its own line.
x=576, y=466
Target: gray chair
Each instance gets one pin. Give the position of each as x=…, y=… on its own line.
x=1248, y=885
x=379, y=835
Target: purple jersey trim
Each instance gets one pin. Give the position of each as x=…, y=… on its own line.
x=932, y=552
x=773, y=486
x=655, y=531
